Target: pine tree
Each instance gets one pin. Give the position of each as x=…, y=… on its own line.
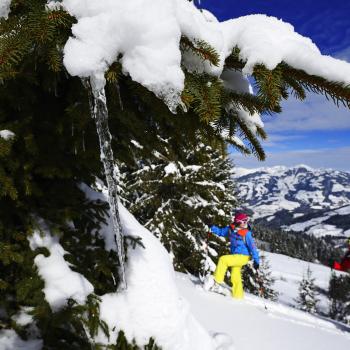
x=260, y=282
x=297, y=245
x=339, y=295
x=53, y=150
x=307, y=300
x=174, y=195
x=265, y=280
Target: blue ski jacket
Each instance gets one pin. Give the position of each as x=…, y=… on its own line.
x=240, y=244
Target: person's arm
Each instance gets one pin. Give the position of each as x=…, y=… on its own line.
x=252, y=247
x=220, y=231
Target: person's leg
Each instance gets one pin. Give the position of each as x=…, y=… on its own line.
x=224, y=262
x=236, y=278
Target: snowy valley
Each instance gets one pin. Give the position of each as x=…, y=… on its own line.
x=300, y=198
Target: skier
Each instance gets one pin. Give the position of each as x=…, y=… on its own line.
x=344, y=264
x=242, y=249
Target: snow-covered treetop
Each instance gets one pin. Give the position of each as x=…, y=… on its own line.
x=146, y=36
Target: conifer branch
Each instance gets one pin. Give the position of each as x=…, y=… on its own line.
x=337, y=92
x=241, y=148
x=261, y=132
x=296, y=89
x=200, y=48
x=273, y=84
x=255, y=145
x=114, y=72
x=249, y=102
x=269, y=86
x=33, y=29
x=233, y=61
x=203, y=93
x=226, y=128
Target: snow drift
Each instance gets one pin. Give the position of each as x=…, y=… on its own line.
x=152, y=305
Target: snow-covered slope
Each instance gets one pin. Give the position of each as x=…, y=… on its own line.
x=255, y=323
x=298, y=198
x=174, y=309
x=247, y=325
x=288, y=273
x=151, y=305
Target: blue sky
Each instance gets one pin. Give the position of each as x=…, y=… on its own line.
x=314, y=132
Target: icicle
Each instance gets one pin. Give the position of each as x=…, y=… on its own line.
x=99, y=112
x=120, y=97
x=114, y=281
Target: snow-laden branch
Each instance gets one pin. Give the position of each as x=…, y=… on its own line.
x=146, y=35
x=61, y=282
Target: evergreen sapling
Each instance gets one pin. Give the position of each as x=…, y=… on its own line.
x=307, y=298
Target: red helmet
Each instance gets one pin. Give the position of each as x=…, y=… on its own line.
x=240, y=218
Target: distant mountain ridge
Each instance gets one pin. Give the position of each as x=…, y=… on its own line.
x=299, y=198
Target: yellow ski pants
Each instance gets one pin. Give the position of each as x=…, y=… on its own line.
x=236, y=262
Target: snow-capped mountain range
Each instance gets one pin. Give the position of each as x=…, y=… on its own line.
x=316, y=201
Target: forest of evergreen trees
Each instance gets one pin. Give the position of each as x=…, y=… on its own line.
x=297, y=245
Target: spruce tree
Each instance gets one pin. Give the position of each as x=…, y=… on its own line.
x=265, y=280
x=339, y=296
x=177, y=192
x=54, y=148
x=307, y=299
x=260, y=282
x=297, y=245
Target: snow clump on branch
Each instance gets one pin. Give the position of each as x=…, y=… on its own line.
x=146, y=36
x=7, y=135
x=61, y=282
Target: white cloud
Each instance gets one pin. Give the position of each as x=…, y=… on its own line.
x=335, y=158
x=302, y=118
x=274, y=140
x=314, y=113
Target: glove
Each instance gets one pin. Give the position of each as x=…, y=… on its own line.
x=256, y=265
